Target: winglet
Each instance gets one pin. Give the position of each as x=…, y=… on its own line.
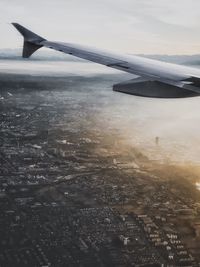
x=32, y=41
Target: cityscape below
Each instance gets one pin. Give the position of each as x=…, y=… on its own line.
x=75, y=192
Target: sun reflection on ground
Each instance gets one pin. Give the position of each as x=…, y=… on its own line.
x=198, y=185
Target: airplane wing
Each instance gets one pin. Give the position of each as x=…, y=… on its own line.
x=157, y=79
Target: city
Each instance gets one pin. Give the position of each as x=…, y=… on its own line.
x=73, y=194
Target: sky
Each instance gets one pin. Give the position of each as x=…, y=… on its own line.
x=128, y=26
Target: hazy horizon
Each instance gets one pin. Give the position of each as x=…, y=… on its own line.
x=51, y=55
x=138, y=120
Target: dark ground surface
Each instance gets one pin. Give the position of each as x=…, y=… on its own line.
x=74, y=194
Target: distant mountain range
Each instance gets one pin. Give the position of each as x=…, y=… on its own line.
x=45, y=55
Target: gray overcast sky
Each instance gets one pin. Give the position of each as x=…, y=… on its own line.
x=129, y=26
